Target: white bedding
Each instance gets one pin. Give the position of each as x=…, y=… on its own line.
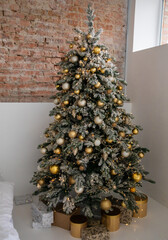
x=7, y=230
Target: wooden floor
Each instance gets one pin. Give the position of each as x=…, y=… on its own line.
x=152, y=227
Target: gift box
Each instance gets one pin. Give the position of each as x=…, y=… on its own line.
x=125, y=215
x=98, y=232
x=142, y=205
x=61, y=219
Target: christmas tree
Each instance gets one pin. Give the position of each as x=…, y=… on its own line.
x=90, y=152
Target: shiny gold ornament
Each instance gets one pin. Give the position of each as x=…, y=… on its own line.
x=76, y=38
x=57, y=151
x=71, y=180
x=105, y=204
x=129, y=146
x=89, y=36
x=88, y=150
x=115, y=100
x=66, y=102
x=71, y=46
x=93, y=70
x=81, y=168
x=109, y=91
x=82, y=49
x=77, y=91
x=99, y=68
x=79, y=117
x=103, y=71
x=123, y=204
x=81, y=137
x=97, y=85
x=141, y=154
x=100, y=104
x=96, y=50
x=65, y=70
x=41, y=182
x=137, y=177
x=135, y=131
x=113, y=172
x=78, y=162
x=72, y=134
x=57, y=117
x=77, y=76
x=54, y=169
x=109, y=140
x=133, y=189
x=120, y=102
x=122, y=134
x=57, y=86
x=85, y=59
x=114, y=124
x=116, y=119
x=108, y=60
x=120, y=87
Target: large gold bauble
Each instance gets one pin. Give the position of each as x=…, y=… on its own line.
x=133, y=189
x=57, y=117
x=71, y=180
x=79, y=117
x=81, y=168
x=77, y=76
x=137, y=177
x=54, y=169
x=82, y=49
x=122, y=134
x=77, y=91
x=71, y=45
x=97, y=85
x=41, y=182
x=141, y=154
x=72, y=134
x=120, y=102
x=120, y=87
x=113, y=172
x=57, y=151
x=96, y=50
x=88, y=150
x=81, y=137
x=135, y=131
x=105, y=204
x=93, y=70
x=65, y=70
x=109, y=140
x=123, y=204
x=89, y=36
x=108, y=60
x=85, y=59
x=102, y=71
x=115, y=100
x=66, y=102
x=100, y=104
x=78, y=162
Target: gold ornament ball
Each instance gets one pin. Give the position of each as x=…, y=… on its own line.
x=71, y=46
x=135, y=131
x=122, y=134
x=113, y=172
x=105, y=204
x=115, y=100
x=109, y=140
x=72, y=134
x=71, y=180
x=123, y=204
x=97, y=85
x=81, y=168
x=108, y=60
x=77, y=76
x=100, y=104
x=132, y=189
x=129, y=146
x=57, y=151
x=85, y=59
x=65, y=70
x=89, y=36
x=137, y=177
x=41, y=182
x=120, y=87
x=77, y=91
x=81, y=137
x=116, y=119
x=120, y=102
x=54, y=169
x=66, y=102
x=57, y=117
x=78, y=162
x=103, y=71
x=76, y=38
x=93, y=70
x=114, y=124
x=88, y=150
x=141, y=154
x=96, y=50
x=83, y=49
x=79, y=117
x=99, y=68
x=109, y=91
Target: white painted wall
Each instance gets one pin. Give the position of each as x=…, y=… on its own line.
x=22, y=126
x=147, y=77
x=147, y=24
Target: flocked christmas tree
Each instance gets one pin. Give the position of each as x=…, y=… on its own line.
x=90, y=151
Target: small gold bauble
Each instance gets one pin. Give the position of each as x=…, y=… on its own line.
x=78, y=162
x=115, y=100
x=57, y=117
x=109, y=140
x=108, y=60
x=120, y=102
x=129, y=146
x=120, y=87
x=105, y=204
x=66, y=102
x=79, y=117
x=116, y=119
x=71, y=180
x=100, y=104
x=103, y=70
x=54, y=169
x=141, y=154
x=123, y=204
x=82, y=49
x=77, y=91
x=77, y=76
x=57, y=86
x=76, y=38
x=85, y=59
x=93, y=70
x=81, y=137
x=57, y=151
x=41, y=182
x=96, y=50
x=133, y=189
x=137, y=177
x=71, y=46
x=109, y=91
x=88, y=150
x=72, y=134
x=89, y=36
x=114, y=124
x=122, y=134
x=99, y=68
x=97, y=85
x=81, y=168
x=135, y=131
x=113, y=172
x=65, y=70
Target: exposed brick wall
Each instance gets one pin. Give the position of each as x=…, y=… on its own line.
x=165, y=23
x=33, y=36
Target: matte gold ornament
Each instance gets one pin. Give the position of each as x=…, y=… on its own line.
x=43, y=150
x=60, y=141
x=123, y=204
x=82, y=49
x=103, y=71
x=57, y=151
x=65, y=86
x=135, y=131
x=77, y=76
x=71, y=45
x=54, y=169
x=81, y=168
x=137, y=177
x=141, y=154
x=65, y=70
x=79, y=117
x=81, y=137
x=100, y=104
x=115, y=100
x=98, y=120
x=57, y=117
x=120, y=87
x=125, y=154
x=85, y=59
x=113, y=172
x=109, y=140
x=116, y=119
x=122, y=134
x=93, y=70
x=97, y=85
x=41, y=182
x=120, y=102
x=89, y=36
x=71, y=180
x=82, y=103
x=88, y=150
x=66, y=102
x=72, y=134
x=77, y=91
x=105, y=204
x=96, y=50
x=133, y=190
